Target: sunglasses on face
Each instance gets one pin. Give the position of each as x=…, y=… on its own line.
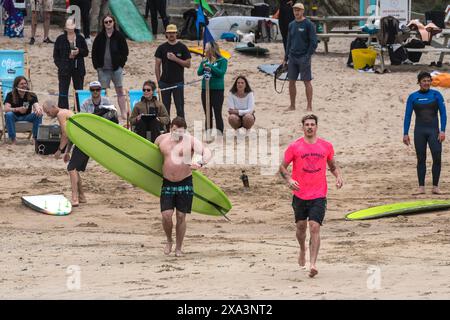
x=147, y=90
x=108, y=21
x=95, y=90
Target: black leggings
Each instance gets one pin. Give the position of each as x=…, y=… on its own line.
x=422, y=136
x=85, y=8
x=156, y=6
x=215, y=103
x=64, y=85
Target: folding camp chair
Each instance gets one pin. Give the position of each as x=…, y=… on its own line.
x=133, y=97
x=13, y=63
x=81, y=96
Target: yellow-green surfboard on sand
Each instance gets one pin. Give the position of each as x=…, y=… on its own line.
x=395, y=209
x=137, y=160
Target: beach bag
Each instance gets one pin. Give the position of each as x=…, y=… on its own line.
x=437, y=17
x=441, y=80
x=189, y=30
x=414, y=44
x=397, y=54
x=358, y=43
x=389, y=27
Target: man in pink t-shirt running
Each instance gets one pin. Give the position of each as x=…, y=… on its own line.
x=310, y=156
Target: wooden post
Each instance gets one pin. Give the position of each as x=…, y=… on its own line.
x=208, y=110
x=128, y=102
x=2, y=114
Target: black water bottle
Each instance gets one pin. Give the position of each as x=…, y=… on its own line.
x=244, y=179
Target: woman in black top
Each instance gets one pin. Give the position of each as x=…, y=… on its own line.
x=109, y=55
x=68, y=54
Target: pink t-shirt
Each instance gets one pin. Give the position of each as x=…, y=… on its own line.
x=309, y=167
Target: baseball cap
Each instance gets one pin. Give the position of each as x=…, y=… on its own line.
x=299, y=6
x=95, y=84
x=171, y=28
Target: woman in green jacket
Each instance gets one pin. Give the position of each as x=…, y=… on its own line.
x=216, y=66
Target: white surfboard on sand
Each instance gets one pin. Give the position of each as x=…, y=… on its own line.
x=51, y=204
x=219, y=25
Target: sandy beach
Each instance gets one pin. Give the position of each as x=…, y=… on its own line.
x=117, y=240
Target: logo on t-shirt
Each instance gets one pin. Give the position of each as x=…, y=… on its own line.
x=310, y=162
x=301, y=29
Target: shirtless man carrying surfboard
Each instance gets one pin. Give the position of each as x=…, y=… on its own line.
x=177, y=192
x=310, y=156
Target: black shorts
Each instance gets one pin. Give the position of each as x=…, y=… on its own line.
x=78, y=160
x=309, y=209
x=177, y=195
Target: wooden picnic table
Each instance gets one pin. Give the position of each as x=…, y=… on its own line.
x=330, y=21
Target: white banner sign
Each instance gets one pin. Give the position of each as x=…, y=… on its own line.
x=396, y=8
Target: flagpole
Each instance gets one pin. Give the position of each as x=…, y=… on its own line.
x=208, y=111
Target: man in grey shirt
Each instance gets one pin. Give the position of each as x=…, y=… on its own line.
x=96, y=100
x=301, y=45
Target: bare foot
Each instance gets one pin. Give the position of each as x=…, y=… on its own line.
x=302, y=260
x=421, y=190
x=168, y=248
x=309, y=109
x=75, y=203
x=82, y=198
x=178, y=253
x=291, y=108
x=313, y=272
x=436, y=190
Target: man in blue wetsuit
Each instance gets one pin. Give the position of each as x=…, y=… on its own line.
x=426, y=103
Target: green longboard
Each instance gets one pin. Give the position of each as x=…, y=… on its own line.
x=130, y=20
x=399, y=208
x=137, y=160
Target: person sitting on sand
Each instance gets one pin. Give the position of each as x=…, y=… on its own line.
x=21, y=105
x=149, y=114
x=310, y=156
x=426, y=103
x=177, y=148
x=78, y=161
x=241, y=104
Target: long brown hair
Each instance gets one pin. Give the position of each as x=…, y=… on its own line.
x=247, y=85
x=113, y=19
x=15, y=91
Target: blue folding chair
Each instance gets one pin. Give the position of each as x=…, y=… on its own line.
x=13, y=63
x=134, y=96
x=82, y=95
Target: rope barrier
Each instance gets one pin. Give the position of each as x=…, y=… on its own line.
x=180, y=85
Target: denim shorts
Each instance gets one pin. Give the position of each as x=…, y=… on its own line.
x=105, y=77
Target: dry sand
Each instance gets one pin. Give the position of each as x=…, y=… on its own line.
x=117, y=238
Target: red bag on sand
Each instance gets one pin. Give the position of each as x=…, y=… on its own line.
x=441, y=80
